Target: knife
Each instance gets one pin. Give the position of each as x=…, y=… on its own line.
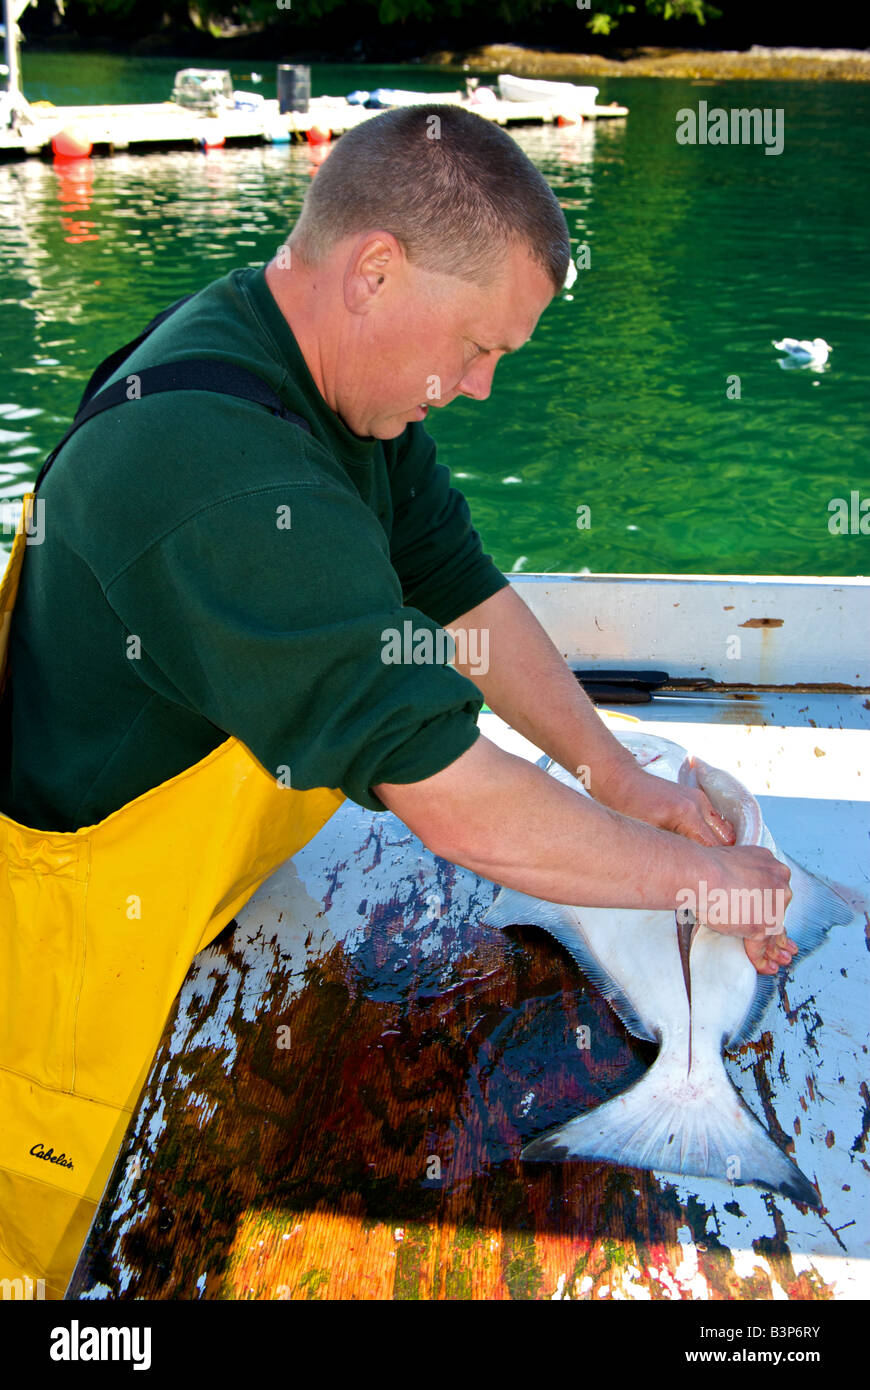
x=621, y=687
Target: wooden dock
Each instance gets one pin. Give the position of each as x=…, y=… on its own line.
x=165, y=125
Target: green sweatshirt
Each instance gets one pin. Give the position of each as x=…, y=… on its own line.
x=209, y=569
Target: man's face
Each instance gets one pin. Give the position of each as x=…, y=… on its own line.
x=427, y=338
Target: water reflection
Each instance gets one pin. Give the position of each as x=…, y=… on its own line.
x=75, y=179
x=619, y=403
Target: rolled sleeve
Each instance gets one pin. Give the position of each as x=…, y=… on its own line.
x=435, y=549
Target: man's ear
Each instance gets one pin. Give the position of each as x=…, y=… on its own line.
x=375, y=259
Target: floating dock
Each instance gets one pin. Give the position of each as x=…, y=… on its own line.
x=166, y=125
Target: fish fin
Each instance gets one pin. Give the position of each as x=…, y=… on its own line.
x=765, y=986
x=597, y=976
x=512, y=908
x=815, y=908
x=665, y=1124
x=819, y=907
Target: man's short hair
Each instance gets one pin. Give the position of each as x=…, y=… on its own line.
x=453, y=188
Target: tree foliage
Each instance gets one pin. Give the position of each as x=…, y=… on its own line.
x=599, y=16
x=607, y=13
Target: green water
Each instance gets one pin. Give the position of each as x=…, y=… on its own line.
x=699, y=256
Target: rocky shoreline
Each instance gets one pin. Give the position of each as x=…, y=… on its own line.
x=713, y=65
x=761, y=64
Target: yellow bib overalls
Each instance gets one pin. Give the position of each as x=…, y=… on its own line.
x=97, y=930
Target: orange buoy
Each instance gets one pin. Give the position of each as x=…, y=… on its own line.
x=569, y=120
x=213, y=136
x=71, y=143
x=319, y=134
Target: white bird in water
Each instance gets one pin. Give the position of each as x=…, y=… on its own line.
x=804, y=351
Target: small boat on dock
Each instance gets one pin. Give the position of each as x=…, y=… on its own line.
x=536, y=89
x=565, y=97
x=341, y=1094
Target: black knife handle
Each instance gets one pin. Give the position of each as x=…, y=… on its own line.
x=617, y=694
x=648, y=679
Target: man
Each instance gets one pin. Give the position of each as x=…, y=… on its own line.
x=195, y=673
x=209, y=570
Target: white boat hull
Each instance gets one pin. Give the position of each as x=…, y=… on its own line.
x=531, y=89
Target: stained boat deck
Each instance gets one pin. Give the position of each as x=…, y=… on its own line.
x=370, y=1149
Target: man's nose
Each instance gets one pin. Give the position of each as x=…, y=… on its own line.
x=477, y=381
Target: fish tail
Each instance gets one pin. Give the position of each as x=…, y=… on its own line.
x=670, y=1124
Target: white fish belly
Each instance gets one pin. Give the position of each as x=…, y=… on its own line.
x=723, y=988
x=639, y=952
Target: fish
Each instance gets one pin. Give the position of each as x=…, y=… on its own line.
x=689, y=988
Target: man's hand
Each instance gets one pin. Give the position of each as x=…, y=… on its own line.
x=768, y=954
x=749, y=881
x=684, y=810
x=688, y=811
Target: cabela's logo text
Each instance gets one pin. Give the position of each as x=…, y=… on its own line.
x=50, y=1156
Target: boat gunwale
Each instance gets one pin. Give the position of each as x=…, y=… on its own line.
x=610, y=576
x=747, y=631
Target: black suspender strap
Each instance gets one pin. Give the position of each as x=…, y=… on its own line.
x=196, y=374
x=110, y=364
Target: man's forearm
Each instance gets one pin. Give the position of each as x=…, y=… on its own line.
x=507, y=820
x=530, y=686
x=504, y=818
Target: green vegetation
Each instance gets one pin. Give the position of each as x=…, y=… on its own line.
x=404, y=30
x=600, y=17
